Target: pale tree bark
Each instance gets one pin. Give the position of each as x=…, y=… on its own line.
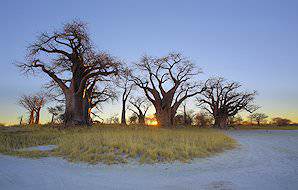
x=167, y=82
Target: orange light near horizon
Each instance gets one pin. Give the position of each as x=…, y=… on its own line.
x=151, y=121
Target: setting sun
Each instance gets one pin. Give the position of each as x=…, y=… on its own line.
x=151, y=120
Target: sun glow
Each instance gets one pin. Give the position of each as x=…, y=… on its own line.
x=151, y=120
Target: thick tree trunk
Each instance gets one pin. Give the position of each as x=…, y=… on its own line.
x=37, y=116
x=68, y=110
x=221, y=122
x=164, y=118
x=123, y=117
x=74, y=114
x=31, y=118
x=78, y=115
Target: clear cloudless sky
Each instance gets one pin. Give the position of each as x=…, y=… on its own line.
x=254, y=42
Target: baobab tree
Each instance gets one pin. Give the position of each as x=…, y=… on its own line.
x=28, y=102
x=167, y=81
x=224, y=99
x=68, y=57
x=258, y=117
x=33, y=104
x=139, y=106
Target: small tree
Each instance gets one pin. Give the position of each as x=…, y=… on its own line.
x=139, y=106
x=126, y=84
x=224, y=99
x=258, y=117
x=29, y=103
x=33, y=104
x=133, y=119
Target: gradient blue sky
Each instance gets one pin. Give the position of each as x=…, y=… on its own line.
x=254, y=42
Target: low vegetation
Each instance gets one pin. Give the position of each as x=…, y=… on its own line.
x=115, y=144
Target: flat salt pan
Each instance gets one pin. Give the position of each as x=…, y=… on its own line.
x=40, y=148
x=265, y=160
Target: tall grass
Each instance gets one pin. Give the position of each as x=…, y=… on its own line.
x=119, y=144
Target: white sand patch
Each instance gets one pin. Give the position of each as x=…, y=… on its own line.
x=265, y=160
x=40, y=148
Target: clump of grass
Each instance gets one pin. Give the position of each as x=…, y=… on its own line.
x=112, y=145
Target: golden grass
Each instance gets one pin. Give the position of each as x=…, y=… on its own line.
x=110, y=145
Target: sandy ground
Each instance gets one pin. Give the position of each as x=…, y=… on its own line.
x=264, y=160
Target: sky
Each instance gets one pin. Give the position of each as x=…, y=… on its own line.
x=254, y=42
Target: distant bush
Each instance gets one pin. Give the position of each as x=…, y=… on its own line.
x=203, y=120
x=280, y=121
